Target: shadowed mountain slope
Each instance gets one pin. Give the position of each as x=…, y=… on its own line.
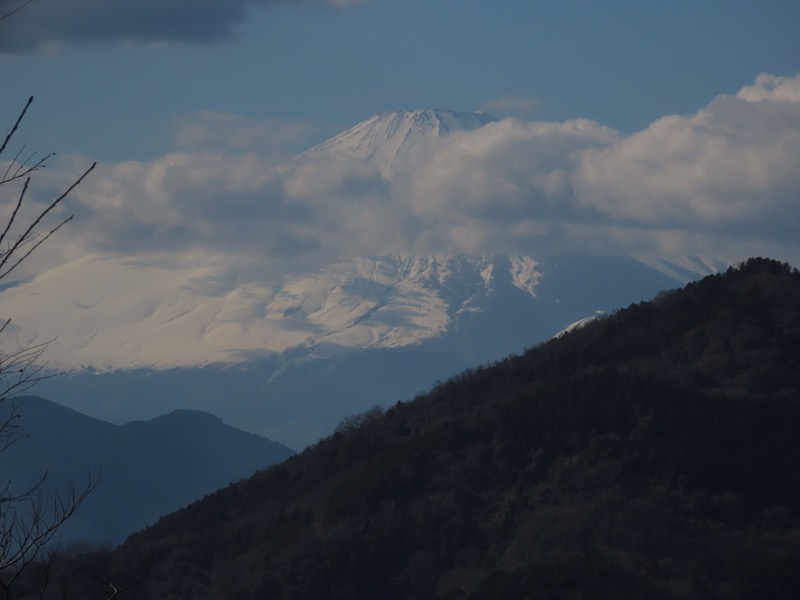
x=650, y=454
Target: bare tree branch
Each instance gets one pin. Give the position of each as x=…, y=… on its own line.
x=29, y=520
x=23, y=238
x=113, y=586
x=28, y=523
x=13, y=11
x=21, y=115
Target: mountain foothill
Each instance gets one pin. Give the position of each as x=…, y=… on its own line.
x=652, y=453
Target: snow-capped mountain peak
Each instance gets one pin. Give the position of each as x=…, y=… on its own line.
x=385, y=137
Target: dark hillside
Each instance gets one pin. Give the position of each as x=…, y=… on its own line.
x=652, y=454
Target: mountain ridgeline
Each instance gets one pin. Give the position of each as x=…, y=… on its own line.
x=649, y=454
x=142, y=469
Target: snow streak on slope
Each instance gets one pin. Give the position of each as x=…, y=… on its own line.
x=118, y=314
x=387, y=137
x=579, y=324
x=524, y=273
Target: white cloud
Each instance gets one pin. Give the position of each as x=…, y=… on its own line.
x=730, y=169
x=723, y=181
x=772, y=87
x=506, y=168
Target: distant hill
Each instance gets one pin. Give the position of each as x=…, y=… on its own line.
x=650, y=454
x=144, y=468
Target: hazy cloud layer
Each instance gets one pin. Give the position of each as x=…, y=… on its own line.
x=45, y=24
x=723, y=181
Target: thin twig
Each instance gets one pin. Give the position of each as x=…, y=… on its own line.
x=25, y=236
x=16, y=210
x=20, y=7
x=35, y=246
x=23, y=170
x=24, y=110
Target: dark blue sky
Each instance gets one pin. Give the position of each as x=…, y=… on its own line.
x=113, y=82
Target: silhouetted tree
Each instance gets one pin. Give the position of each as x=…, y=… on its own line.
x=29, y=518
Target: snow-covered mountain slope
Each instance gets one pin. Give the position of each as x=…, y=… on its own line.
x=121, y=314
x=388, y=137
x=453, y=312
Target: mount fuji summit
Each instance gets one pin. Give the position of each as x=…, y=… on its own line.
x=388, y=137
x=289, y=356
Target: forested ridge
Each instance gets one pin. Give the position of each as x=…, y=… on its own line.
x=650, y=454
